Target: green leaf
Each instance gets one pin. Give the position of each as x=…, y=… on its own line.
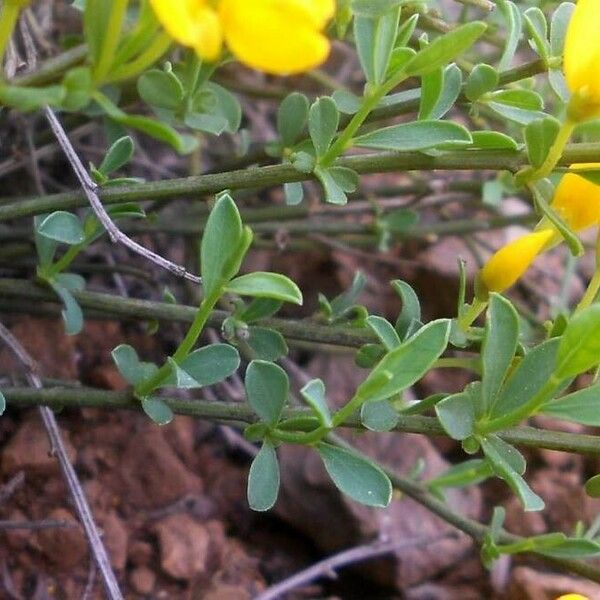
x=211, y=364
x=493, y=140
x=355, y=476
x=375, y=8
x=375, y=37
x=267, y=389
x=263, y=479
x=482, y=79
x=379, y=416
x=347, y=102
x=268, y=344
x=400, y=220
x=579, y=348
x=26, y=99
x=432, y=85
x=384, y=330
x=323, y=121
x=95, y=23
x=314, y=395
x=578, y=407
x=118, y=154
x=411, y=307
x=72, y=314
x=294, y=193
x=225, y=106
x=573, y=548
x=369, y=355
x=220, y=248
x=419, y=135
x=514, y=113
x=259, y=308
x=509, y=454
x=409, y=362
x=180, y=378
x=292, y=117
x=470, y=472
x=456, y=413
x=261, y=284
x=519, y=98
x=2, y=403
x=592, y=486
x=445, y=48
x=78, y=86
x=539, y=137
x=161, y=88
x=157, y=410
x=514, y=25
x=346, y=300
x=559, y=25
x=129, y=365
x=530, y=500
x=62, y=226
x=498, y=348
x=334, y=193
x=537, y=27
x=532, y=373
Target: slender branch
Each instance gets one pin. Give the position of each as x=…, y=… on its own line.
x=90, y=192
x=242, y=414
x=472, y=528
x=262, y=177
x=77, y=494
x=328, y=566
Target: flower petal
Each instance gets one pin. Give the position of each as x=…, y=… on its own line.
x=192, y=24
x=577, y=200
x=276, y=36
x=505, y=267
x=582, y=50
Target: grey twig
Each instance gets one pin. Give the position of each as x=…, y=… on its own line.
x=327, y=567
x=11, y=486
x=90, y=190
x=36, y=525
x=58, y=447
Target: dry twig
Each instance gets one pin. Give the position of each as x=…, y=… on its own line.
x=90, y=190
x=58, y=447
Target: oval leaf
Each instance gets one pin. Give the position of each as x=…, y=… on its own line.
x=355, y=476
x=263, y=479
x=266, y=285
x=419, y=135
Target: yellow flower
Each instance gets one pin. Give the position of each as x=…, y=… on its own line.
x=573, y=597
x=576, y=200
x=281, y=37
x=582, y=59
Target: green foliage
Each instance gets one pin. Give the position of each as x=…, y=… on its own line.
x=355, y=476
x=267, y=389
x=263, y=479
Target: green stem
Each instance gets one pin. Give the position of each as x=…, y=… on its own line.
x=65, y=261
x=110, y=40
x=206, y=307
x=526, y=410
x=553, y=157
x=473, y=311
x=590, y=294
x=300, y=437
x=8, y=20
x=146, y=59
x=347, y=410
x=370, y=102
x=72, y=395
x=262, y=177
